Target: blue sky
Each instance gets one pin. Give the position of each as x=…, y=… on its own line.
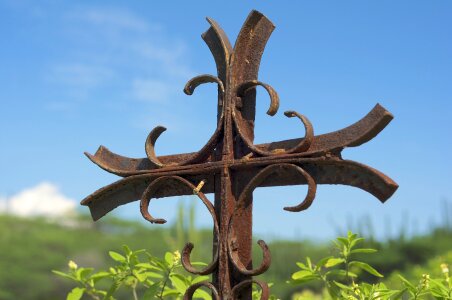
x=78, y=74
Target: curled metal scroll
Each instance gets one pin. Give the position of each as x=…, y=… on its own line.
x=266, y=172
x=244, y=201
x=239, y=287
x=309, y=129
x=303, y=144
x=274, y=98
x=233, y=254
x=144, y=208
x=205, y=151
x=220, y=48
x=192, y=289
x=193, y=83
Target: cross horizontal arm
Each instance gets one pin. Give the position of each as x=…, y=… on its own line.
x=351, y=136
x=324, y=171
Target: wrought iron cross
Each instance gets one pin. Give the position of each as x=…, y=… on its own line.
x=231, y=166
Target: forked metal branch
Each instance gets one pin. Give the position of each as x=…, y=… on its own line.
x=231, y=166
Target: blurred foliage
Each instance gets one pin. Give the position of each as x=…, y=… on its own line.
x=151, y=278
x=339, y=274
x=30, y=248
x=143, y=275
x=340, y=277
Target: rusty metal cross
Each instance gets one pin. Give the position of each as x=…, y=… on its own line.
x=231, y=166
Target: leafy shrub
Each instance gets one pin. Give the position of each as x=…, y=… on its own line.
x=158, y=278
x=340, y=275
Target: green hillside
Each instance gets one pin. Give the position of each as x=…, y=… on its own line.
x=31, y=248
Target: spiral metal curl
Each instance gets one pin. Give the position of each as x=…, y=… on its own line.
x=144, y=208
x=205, y=151
x=192, y=289
x=245, y=200
x=274, y=98
x=239, y=287
x=304, y=143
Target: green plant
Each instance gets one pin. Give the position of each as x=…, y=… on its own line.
x=442, y=288
x=340, y=276
x=148, y=277
x=339, y=273
x=438, y=288
x=156, y=278
x=257, y=294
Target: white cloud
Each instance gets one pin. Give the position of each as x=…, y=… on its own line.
x=43, y=199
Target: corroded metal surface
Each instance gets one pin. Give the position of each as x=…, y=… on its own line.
x=231, y=166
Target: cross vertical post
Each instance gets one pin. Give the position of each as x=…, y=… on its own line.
x=231, y=166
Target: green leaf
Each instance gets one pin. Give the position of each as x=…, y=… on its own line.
x=355, y=241
x=116, y=256
x=170, y=292
x=363, y=250
x=365, y=267
x=62, y=274
x=127, y=250
x=147, y=266
x=169, y=258
x=99, y=275
x=151, y=292
x=75, y=294
x=408, y=284
x=154, y=275
x=301, y=274
x=113, y=288
x=399, y=294
x=365, y=287
x=351, y=236
x=438, y=289
x=340, y=273
x=309, y=263
x=129, y=280
x=382, y=286
x=179, y=283
x=306, y=279
x=342, y=286
x=160, y=264
x=322, y=262
x=140, y=276
x=200, y=279
x=139, y=251
x=83, y=273
x=302, y=266
x=202, y=294
x=333, y=290
x=343, y=241
x=334, y=262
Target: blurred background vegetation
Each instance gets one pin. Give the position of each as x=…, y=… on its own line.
x=31, y=247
